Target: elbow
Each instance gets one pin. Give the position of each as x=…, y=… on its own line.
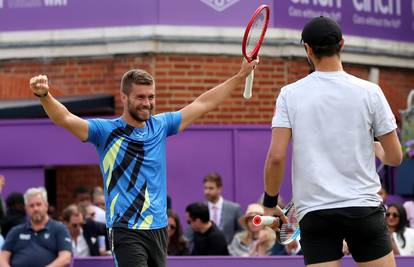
x=276, y=159
x=396, y=160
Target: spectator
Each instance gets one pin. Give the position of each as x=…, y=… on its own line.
x=409, y=208
x=208, y=239
x=98, y=198
x=85, y=234
x=177, y=244
x=224, y=213
x=403, y=236
x=39, y=242
x=15, y=213
x=254, y=240
x=82, y=197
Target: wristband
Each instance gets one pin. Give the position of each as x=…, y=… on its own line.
x=45, y=94
x=270, y=201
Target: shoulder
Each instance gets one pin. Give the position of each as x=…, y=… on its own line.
x=17, y=229
x=231, y=204
x=57, y=226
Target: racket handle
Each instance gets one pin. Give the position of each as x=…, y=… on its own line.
x=263, y=220
x=248, y=86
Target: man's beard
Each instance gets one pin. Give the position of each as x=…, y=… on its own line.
x=38, y=218
x=134, y=113
x=311, y=65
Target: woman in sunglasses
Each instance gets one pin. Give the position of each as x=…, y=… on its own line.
x=177, y=244
x=402, y=235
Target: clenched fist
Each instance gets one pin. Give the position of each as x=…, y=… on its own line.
x=39, y=85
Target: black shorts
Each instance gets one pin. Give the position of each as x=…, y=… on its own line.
x=132, y=247
x=363, y=228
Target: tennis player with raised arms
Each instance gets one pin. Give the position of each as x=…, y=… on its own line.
x=331, y=118
x=131, y=151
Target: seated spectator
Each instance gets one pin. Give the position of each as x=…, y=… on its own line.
x=208, y=239
x=402, y=236
x=85, y=234
x=409, y=208
x=177, y=244
x=98, y=198
x=254, y=240
x=15, y=214
x=83, y=197
x=39, y=242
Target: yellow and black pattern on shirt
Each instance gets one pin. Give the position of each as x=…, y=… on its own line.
x=134, y=154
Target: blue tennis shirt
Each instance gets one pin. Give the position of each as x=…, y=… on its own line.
x=133, y=165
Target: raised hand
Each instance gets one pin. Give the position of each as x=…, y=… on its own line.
x=39, y=85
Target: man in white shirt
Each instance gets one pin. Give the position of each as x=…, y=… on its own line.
x=331, y=117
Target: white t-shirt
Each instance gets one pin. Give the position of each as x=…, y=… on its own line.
x=408, y=250
x=333, y=117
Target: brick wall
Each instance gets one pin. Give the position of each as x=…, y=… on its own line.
x=179, y=80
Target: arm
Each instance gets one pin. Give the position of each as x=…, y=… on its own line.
x=388, y=149
x=213, y=97
x=57, y=112
x=274, y=169
x=5, y=258
x=63, y=259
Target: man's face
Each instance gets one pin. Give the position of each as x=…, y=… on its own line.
x=83, y=198
x=75, y=223
x=140, y=102
x=36, y=208
x=195, y=224
x=211, y=191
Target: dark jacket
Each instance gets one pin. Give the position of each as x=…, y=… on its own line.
x=91, y=231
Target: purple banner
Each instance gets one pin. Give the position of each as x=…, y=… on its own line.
x=386, y=19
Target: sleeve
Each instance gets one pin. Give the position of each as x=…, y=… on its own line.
x=384, y=120
x=10, y=240
x=172, y=121
x=95, y=131
x=63, y=240
x=281, y=115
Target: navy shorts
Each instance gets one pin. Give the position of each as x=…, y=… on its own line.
x=363, y=228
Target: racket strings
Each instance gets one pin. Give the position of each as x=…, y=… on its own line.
x=289, y=231
x=256, y=31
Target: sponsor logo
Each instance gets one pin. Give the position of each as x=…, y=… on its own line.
x=24, y=236
x=219, y=5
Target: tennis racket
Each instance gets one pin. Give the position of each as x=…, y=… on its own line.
x=288, y=231
x=252, y=40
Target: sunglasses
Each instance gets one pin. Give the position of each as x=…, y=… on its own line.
x=75, y=225
x=392, y=214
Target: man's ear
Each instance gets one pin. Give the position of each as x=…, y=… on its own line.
x=341, y=43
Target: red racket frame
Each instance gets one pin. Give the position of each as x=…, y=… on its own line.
x=253, y=55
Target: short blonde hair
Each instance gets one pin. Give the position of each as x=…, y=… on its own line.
x=31, y=192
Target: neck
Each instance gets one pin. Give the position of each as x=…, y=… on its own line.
x=205, y=227
x=40, y=225
x=131, y=121
x=328, y=64
x=214, y=201
x=392, y=229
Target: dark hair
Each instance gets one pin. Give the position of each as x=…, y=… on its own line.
x=198, y=210
x=402, y=223
x=177, y=241
x=135, y=76
x=326, y=50
x=80, y=190
x=213, y=177
x=69, y=211
x=13, y=199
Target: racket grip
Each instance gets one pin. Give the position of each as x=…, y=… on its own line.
x=263, y=220
x=248, y=86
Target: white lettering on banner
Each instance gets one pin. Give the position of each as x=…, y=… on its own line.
x=384, y=7
x=24, y=3
x=322, y=3
x=310, y=13
x=56, y=2
x=1, y=3
x=219, y=5
x=412, y=7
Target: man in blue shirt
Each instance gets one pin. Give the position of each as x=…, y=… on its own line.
x=39, y=242
x=131, y=150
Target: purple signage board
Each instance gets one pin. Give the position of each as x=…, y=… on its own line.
x=391, y=19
